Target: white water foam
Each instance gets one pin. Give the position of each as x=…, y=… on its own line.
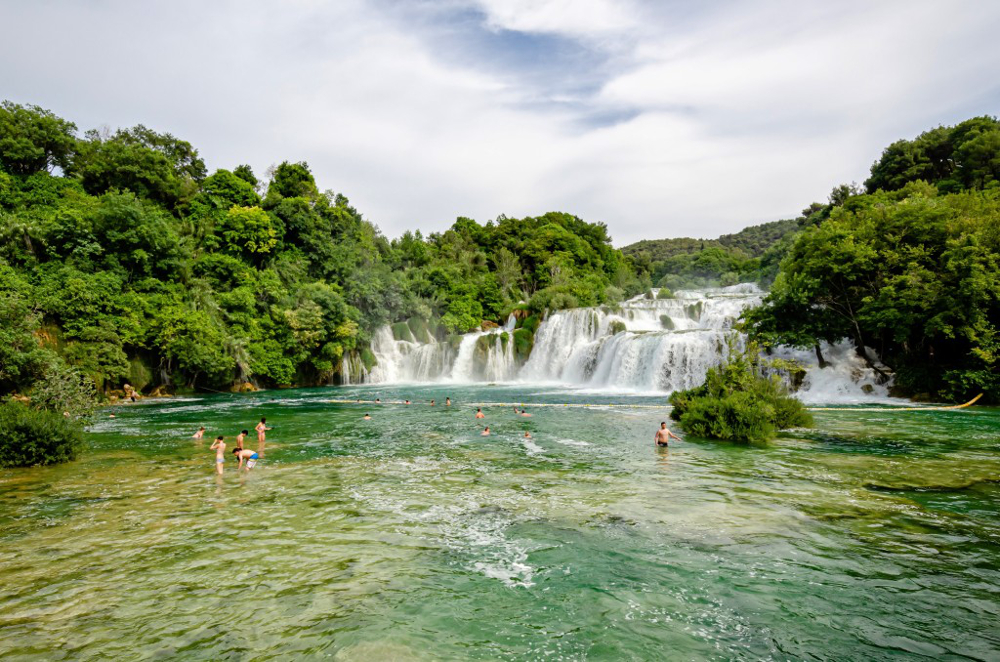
x=666, y=345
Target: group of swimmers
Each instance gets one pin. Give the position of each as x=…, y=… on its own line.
x=249, y=458
x=244, y=456
x=661, y=439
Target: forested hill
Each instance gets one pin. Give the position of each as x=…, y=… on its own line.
x=122, y=259
x=750, y=254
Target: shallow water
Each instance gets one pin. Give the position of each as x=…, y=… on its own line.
x=875, y=536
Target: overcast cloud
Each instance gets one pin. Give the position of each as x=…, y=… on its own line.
x=660, y=119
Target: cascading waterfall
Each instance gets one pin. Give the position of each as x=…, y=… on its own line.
x=643, y=345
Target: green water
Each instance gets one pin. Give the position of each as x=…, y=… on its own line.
x=875, y=536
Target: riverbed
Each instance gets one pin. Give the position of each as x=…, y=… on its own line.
x=410, y=536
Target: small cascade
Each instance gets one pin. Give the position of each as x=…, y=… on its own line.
x=641, y=345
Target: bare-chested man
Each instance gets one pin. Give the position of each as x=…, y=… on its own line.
x=240, y=437
x=663, y=435
x=479, y=413
x=246, y=455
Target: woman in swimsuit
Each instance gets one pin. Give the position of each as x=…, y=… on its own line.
x=219, y=447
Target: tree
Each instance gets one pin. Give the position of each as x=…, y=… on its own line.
x=249, y=231
x=33, y=139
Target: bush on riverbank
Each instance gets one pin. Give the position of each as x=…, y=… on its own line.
x=30, y=437
x=741, y=400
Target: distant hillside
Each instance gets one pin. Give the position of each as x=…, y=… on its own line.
x=750, y=254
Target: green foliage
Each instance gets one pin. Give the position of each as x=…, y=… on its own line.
x=151, y=165
x=248, y=232
x=30, y=437
x=32, y=139
x=64, y=390
x=664, y=293
x=962, y=157
x=741, y=400
x=913, y=275
x=749, y=255
x=401, y=331
x=524, y=340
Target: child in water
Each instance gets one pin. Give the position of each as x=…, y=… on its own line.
x=199, y=434
x=219, y=446
x=486, y=432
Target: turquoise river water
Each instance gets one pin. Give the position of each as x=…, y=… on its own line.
x=875, y=536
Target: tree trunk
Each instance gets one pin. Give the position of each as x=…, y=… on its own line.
x=823, y=363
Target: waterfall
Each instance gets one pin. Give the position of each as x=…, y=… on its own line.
x=642, y=345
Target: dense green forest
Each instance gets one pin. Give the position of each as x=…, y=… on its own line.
x=122, y=260
x=910, y=268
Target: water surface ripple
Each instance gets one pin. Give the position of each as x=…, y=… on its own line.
x=875, y=536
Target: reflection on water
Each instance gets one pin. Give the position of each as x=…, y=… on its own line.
x=410, y=536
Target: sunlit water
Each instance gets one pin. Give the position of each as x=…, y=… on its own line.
x=410, y=536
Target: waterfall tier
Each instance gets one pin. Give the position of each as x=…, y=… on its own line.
x=643, y=344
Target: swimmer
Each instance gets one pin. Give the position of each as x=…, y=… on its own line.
x=407, y=402
x=366, y=418
x=199, y=434
x=486, y=432
x=527, y=435
x=261, y=429
x=219, y=446
x=524, y=412
x=378, y=401
x=432, y=403
x=249, y=456
x=479, y=413
x=447, y=402
x=663, y=435
x=240, y=437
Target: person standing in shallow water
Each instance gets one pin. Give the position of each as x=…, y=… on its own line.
x=663, y=435
x=219, y=446
x=479, y=413
x=261, y=429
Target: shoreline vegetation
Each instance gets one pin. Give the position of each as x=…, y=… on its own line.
x=123, y=261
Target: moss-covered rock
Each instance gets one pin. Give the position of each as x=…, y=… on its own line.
x=401, y=331
x=667, y=322
x=368, y=359
x=524, y=341
x=531, y=323
x=504, y=340
x=617, y=326
x=420, y=330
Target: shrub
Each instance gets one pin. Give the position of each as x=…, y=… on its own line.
x=531, y=324
x=664, y=293
x=30, y=437
x=738, y=402
x=649, y=294
x=64, y=389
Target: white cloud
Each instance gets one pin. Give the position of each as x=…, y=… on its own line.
x=736, y=115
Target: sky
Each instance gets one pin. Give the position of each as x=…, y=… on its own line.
x=660, y=119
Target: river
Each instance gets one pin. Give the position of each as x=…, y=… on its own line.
x=875, y=536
